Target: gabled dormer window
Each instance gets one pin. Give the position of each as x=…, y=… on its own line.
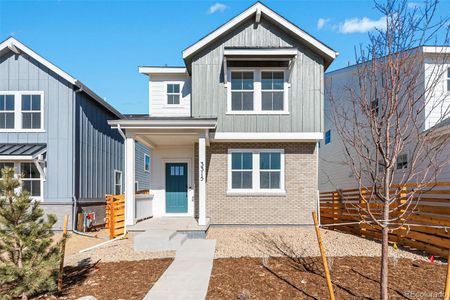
x=21, y=111
x=173, y=93
x=257, y=91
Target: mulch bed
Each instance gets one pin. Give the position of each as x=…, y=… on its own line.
x=115, y=280
x=353, y=278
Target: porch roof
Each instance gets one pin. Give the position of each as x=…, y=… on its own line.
x=21, y=151
x=144, y=122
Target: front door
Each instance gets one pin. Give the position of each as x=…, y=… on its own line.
x=176, y=188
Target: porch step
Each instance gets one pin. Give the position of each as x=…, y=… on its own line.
x=158, y=240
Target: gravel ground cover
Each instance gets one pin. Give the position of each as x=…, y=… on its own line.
x=294, y=241
x=352, y=277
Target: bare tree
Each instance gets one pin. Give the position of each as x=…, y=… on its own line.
x=385, y=110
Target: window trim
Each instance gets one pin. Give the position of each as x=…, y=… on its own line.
x=256, y=190
x=149, y=165
x=397, y=161
x=121, y=182
x=257, y=91
x=18, y=172
x=167, y=94
x=18, y=111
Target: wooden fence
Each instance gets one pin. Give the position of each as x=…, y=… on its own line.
x=115, y=215
x=431, y=206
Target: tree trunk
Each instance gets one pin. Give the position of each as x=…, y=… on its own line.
x=384, y=291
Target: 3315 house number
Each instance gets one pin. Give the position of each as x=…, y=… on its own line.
x=202, y=171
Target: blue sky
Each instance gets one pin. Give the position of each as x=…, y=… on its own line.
x=102, y=43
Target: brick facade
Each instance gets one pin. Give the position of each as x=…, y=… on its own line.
x=292, y=208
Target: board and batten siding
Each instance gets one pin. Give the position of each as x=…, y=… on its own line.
x=158, y=96
x=23, y=73
x=100, y=150
x=305, y=102
x=142, y=176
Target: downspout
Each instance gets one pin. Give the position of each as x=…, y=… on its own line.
x=125, y=206
x=74, y=198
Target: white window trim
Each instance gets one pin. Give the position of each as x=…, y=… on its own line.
x=18, y=111
x=169, y=105
x=18, y=171
x=121, y=181
x=257, y=91
x=150, y=165
x=256, y=190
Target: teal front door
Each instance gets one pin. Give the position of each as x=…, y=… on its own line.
x=176, y=188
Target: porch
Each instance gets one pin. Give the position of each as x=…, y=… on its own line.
x=177, y=171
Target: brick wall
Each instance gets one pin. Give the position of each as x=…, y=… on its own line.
x=293, y=208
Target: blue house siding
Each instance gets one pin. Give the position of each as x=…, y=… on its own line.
x=142, y=176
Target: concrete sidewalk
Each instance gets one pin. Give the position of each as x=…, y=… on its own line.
x=187, y=277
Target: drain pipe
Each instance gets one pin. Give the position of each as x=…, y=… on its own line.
x=125, y=224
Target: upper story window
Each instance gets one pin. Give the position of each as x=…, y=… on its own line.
x=21, y=111
x=402, y=161
x=448, y=80
x=257, y=91
x=173, y=93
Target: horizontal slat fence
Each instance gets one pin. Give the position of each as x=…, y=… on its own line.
x=115, y=215
x=430, y=206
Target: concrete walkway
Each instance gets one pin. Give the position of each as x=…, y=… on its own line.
x=187, y=277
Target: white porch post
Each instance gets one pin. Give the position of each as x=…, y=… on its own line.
x=202, y=180
x=129, y=180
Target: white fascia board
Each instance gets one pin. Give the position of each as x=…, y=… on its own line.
x=266, y=136
x=15, y=157
x=163, y=124
x=162, y=70
x=13, y=43
x=436, y=49
x=261, y=52
x=270, y=14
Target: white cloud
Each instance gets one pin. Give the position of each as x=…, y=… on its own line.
x=414, y=5
x=217, y=7
x=362, y=25
x=322, y=22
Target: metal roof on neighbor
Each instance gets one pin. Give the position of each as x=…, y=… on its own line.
x=21, y=149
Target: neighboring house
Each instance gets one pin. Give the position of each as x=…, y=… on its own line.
x=234, y=132
x=334, y=173
x=54, y=131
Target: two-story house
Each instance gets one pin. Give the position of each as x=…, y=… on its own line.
x=54, y=132
x=234, y=132
x=432, y=68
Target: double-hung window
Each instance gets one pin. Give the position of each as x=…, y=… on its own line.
x=257, y=91
x=256, y=171
x=7, y=111
x=31, y=179
x=146, y=163
x=117, y=182
x=402, y=161
x=242, y=91
x=21, y=111
x=173, y=93
x=272, y=91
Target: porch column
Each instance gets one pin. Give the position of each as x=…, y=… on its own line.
x=129, y=180
x=202, y=180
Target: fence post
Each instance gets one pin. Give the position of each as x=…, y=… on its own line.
x=401, y=200
x=111, y=218
x=362, y=204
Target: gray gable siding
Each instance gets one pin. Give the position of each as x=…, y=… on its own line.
x=100, y=150
x=22, y=73
x=142, y=176
x=209, y=97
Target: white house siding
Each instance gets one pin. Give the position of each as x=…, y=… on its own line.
x=158, y=95
x=160, y=156
x=439, y=101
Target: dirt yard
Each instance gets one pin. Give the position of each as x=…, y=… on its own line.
x=115, y=280
x=353, y=278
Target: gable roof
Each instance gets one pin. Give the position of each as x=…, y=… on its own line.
x=17, y=47
x=258, y=9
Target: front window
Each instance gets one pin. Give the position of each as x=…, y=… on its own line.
x=21, y=111
x=256, y=170
x=146, y=163
x=31, y=179
x=173, y=93
x=117, y=182
x=272, y=90
x=402, y=161
x=7, y=111
x=31, y=111
x=241, y=91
